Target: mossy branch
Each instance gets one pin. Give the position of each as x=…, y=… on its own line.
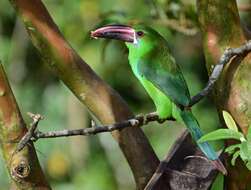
x=23, y=166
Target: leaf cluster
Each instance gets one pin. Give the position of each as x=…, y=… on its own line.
x=242, y=149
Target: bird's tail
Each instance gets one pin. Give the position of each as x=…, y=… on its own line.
x=194, y=129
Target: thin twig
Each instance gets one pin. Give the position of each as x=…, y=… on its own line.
x=29, y=135
x=225, y=58
x=140, y=120
x=178, y=26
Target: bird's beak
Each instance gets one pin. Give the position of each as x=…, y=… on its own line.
x=118, y=32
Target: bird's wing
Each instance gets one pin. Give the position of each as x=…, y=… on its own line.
x=160, y=68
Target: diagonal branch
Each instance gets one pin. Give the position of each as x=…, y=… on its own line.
x=27, y=137
x=163, y=164
x=184, y=167
x=218, y=68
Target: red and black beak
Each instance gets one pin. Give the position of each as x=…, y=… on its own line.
x=118, y=32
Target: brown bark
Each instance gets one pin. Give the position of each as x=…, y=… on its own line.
x=23, y=166
x=220, y=25
x=98, y=97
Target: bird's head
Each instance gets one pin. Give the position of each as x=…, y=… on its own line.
x=140, y=38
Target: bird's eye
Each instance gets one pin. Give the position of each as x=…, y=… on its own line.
x=140, y=33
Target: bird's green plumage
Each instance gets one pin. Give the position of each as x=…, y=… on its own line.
x=156, y=69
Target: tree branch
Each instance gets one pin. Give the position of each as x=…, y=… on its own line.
x=218, y=68
x=23, y=166
x=98, y=97
x=177, y=26
x=27, y=137
x=138, y=121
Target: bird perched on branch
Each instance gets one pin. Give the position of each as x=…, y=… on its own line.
x=156, y=69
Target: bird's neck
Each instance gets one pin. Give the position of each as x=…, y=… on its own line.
x=134, y=60
x=136, y=52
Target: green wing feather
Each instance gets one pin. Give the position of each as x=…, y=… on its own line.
x=160, y=68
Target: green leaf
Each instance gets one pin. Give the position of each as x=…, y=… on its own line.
x=245, y=151
x=235, y=156
x=229, y=121
x=231, y=148
x=249, y=133
x=218, y=183
x=248, y=165
x=221, y=134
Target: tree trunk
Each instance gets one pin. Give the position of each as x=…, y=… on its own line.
x=220, y=25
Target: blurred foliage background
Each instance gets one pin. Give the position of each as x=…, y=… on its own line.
x=96, y=162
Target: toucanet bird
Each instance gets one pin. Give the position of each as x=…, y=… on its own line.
x=156, y=69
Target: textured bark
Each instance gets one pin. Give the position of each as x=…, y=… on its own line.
x=221, y=28
x=98, y=97
x=23, y=166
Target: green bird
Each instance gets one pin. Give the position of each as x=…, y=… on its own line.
x=156, y=69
